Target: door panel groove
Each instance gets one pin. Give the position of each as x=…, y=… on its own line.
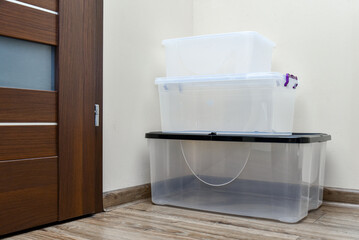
x=32, y=6
x=28, y=159
x=47, y=4
x=27, y=124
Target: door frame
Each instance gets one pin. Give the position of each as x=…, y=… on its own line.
x=80, y=87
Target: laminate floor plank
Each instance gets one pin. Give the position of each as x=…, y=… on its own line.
x=126, y=229
x=178, y=228
x=302, y=229
x=313, y=216
x=46, y=235
x=143, y=220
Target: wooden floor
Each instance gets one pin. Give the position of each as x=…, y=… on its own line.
x=142, y=220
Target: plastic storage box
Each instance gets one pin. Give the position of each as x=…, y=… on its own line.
x=230, y=53
x=257, y=103
x=276, y=177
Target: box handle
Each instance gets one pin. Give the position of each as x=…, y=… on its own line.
x=287, y=77
x=211, y=184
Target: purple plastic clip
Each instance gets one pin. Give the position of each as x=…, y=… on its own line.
x=287, y=76
x=286, y=79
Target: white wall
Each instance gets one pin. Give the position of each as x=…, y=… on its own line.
x=318, y=40
x=133, y=57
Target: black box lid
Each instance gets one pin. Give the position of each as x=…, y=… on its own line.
x=220, y=136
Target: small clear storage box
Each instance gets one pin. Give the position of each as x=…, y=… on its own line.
x=228, y=53
x=275, y=177
x=261, y=103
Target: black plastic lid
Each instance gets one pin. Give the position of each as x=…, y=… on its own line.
x=294, y=138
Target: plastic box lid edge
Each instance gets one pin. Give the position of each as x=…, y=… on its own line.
x=220, y=78
x=166, y=41
x=294, y=138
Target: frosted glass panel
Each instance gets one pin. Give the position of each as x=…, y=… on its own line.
x=27, y=65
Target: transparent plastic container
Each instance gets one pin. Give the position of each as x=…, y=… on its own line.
x=275, y=177
x=259, y=103
x=229, y=53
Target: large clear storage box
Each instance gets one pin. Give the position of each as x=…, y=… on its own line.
x=276, y=177
x=229, y=53
x=261, y=103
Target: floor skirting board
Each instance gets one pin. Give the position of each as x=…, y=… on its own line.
x=126, y=195
x=341, y=195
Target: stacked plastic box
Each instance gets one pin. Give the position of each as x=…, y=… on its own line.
x=226, y=143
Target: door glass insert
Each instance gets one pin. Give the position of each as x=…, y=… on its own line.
x=26, y=65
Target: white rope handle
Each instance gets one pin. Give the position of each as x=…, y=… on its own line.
x=211, y=184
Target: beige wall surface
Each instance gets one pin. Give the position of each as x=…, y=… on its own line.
x=317, y=40
x=133, y=57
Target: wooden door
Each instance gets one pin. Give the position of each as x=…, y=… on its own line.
x=80, y=88
x=50, y=148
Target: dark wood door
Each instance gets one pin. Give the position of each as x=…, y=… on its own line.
x=50, y=148
x=80, y=88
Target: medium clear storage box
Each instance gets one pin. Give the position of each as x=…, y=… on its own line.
x=275, y=177
x=248, y=103
x=229, y=53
